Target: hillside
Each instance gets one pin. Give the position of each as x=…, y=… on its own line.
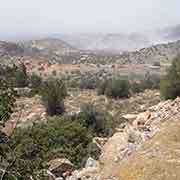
x=57, y=51
x=147, y=149
x=46, y=50
x=49, y=45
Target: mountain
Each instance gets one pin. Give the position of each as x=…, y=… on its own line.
x=163, y=53
x=118, y=42
x=49, y=45
x=107, y=42
x=48, y=49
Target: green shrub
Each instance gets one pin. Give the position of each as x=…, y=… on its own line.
x=149, y=82
x=170, y=86
x=21, y=76
x=136, y=87
x=88, y=83
x=59, y=138
x=98, y=122
x=102, y=87
x=7, y=100
x=35, y=81
x=53, y=92
x=16, y=76
x=117, y=88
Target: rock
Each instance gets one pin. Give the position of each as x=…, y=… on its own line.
x=141, y=119
x=59, y=178
x=60, y=167
x=43, y=173
x=91, y=163
x=90, y=172
x=99, y=141
x=130, y=116
x=23, y=91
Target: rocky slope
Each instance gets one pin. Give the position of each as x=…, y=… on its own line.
x=147, y=149
x=57, y=51
x=47, y=46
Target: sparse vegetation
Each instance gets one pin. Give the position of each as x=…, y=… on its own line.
x=115, y=88
x=25, y=152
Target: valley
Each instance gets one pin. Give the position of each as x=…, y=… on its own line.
x=91, y=107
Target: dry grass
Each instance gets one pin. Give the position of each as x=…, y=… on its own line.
x=159, y=158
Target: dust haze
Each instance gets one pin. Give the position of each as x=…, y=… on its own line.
x=21, y=18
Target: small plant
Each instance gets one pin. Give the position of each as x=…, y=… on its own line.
x=53, y=92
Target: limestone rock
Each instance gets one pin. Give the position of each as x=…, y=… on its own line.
x=60, y=167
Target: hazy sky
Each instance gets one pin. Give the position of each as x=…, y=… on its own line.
x=59, y=16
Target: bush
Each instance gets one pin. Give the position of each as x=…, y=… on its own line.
x=136, y=87
x=149, y=82
x=170, y=86
x=98, y=122
x=16, y=76
x=88, y=83
x=53, y=92
x=35, y=81
x=21, y=76
x=102, y=88
x=117, y=88
x=7, y=100
x=59, y=138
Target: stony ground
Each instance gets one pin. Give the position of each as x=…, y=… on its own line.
x=136, y=103
x=26, y=112
x=147, y=149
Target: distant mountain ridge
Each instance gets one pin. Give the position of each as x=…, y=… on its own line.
x=114, y=42
x=55, y=50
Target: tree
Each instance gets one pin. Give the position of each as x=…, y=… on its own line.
x=170, y=85
x=53, y=92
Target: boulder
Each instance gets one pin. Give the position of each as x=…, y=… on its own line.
x=142, y=119
x=60, y=167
